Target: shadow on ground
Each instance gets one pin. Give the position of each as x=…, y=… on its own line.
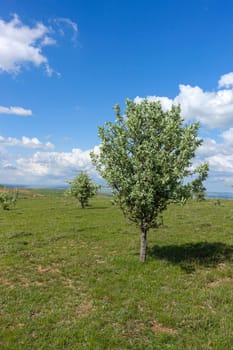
x=190, y=255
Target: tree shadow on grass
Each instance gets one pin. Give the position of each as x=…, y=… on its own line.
x=190, y=255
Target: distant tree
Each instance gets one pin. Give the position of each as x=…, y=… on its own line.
x=5, y=200
x=15, y=196
x=199, y=190
x=146, y=157
x=82, y=188
x=8, y=198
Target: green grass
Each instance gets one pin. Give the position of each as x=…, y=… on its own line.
x=70, y=278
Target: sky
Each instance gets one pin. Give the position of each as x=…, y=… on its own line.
x=65, y=63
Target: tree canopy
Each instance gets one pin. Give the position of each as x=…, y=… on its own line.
x=146, y=157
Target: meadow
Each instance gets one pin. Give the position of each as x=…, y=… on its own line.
x=70, y=278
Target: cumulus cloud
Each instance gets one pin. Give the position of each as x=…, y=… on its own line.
x=20, y=111
x=228, y=137
x=26, y=142
x=54, y=167
x=21, y=44
x=57, y=164
x=212, y=109
x=44, y=168
x=218, y=154
x=208, y=148
x=166, y=102
x=221, y=163
x=226, y=80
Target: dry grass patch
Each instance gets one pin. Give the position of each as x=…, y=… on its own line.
x=85, y=308
x=158, y=328
x=134, y=329
x=219, y=281
x=6, y=283
x=69, y=283
x=43, y=269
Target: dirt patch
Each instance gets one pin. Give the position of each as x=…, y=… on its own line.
x=6, y=283
x=222, y=266
x=85, y=308
x=219, y=281
x=158, y=328
x=134, y=329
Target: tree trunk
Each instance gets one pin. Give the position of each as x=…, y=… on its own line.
x=143, y=245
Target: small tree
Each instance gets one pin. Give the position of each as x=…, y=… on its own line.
x=198, y=190
x=146, y=158
x=82, y=188
x=15, y=196
x=7, y=199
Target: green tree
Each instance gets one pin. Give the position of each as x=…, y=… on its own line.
x=8, y=199
x=198, y=189
x=82, y=188
x=146, y=157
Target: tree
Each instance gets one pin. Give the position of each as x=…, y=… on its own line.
x=82, y=188
x=15, y=197
x=198, y=190
x=145, y=156
x=7, y=199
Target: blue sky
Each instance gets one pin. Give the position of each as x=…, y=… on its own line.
x=64, y=64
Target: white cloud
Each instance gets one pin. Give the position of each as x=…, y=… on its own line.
x=213, y=109
x=15, y=110
x=226, y=80
x=46, y=168
x=21, y=44
x=26, y=142
x=57, y=164
x=228, y=137
x=208, y=148
x=222, y=163
x=219, y=155
x=166, y=102
x=60, y=24
x=48, y=41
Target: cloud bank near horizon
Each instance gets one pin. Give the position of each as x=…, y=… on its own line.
x=214, y=110
x=51, y=168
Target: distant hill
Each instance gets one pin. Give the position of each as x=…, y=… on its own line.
x=107, y=190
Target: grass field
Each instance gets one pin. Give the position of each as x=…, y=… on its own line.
x=70, y=278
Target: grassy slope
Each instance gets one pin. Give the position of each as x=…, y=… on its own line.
x=70, y=278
